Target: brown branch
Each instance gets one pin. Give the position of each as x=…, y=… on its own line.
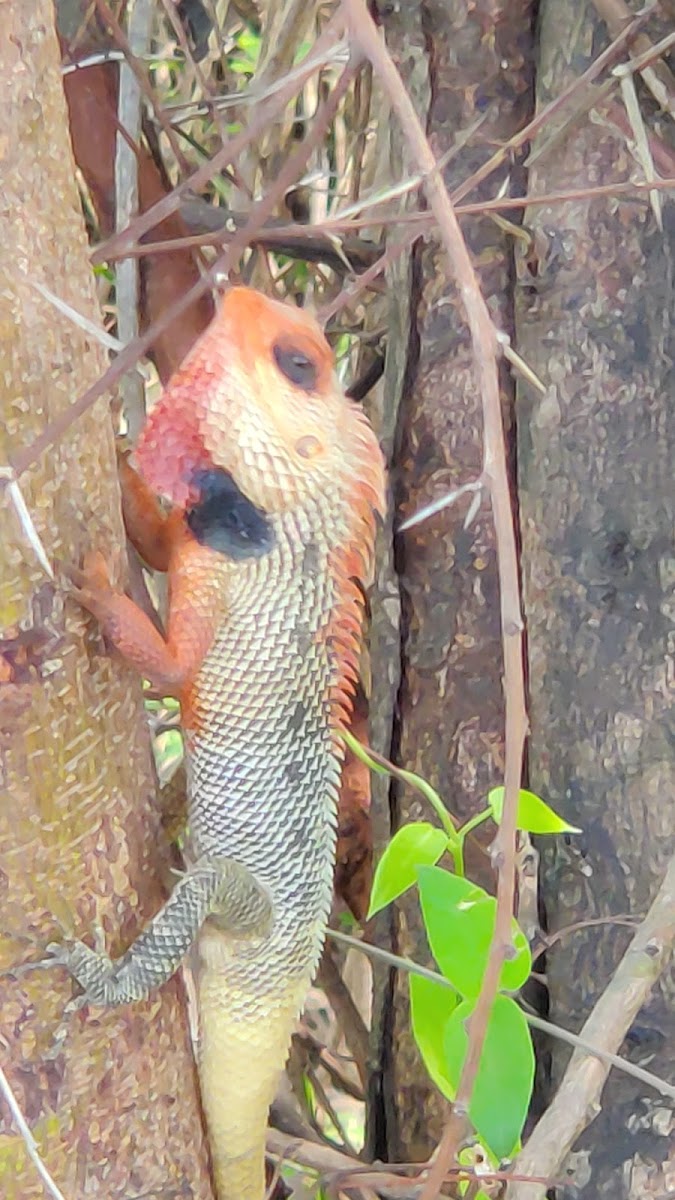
x=578, y=85
x=480, y=207
x=348, y=1016
x=486, y=353
x=546, y=942
x=317, y=242
x=326, y=1161
x=321, y=51
x=332, y=1064
x=577, y=1100
x=324, y=1101
x=388, y=1179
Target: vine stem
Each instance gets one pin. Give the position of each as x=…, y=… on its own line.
x=382, y=766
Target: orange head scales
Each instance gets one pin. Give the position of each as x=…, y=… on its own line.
x=258, y=398
x=255, y=421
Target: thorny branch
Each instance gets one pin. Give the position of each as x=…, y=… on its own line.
x=486, y=354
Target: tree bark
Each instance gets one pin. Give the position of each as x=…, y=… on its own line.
x=450, y=711
x=594, y=320
x=114, y=1111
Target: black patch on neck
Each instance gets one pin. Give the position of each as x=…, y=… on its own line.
x=225, y=520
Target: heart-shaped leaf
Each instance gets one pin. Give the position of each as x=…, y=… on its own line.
x=503, y=1085
x=534, y=815
x=460, y=920
x=411, y=846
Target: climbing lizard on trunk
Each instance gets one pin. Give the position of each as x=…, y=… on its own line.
x=274, y=480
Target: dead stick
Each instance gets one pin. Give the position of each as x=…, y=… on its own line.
x=577, y=1101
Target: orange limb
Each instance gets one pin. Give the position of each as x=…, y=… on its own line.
x=150, y=529
x=169, y=664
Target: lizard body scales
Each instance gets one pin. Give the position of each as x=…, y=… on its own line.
x=274, y=478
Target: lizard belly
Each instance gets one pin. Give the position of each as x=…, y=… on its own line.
x=251, y=989
x=263, y=778
x=284, y=833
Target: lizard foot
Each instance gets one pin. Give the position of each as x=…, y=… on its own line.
x=91, y=586
x=56, y=954
x=68, y=954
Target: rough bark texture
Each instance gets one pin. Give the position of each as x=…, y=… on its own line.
x=385, y=604
x=594, y=318
x=450, y=703
x=115, y=1111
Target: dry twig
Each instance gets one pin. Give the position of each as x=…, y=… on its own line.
x=29, y=1141
x=577, y=1101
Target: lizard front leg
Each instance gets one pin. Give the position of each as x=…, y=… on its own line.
x=169, y=663
x=215, y=889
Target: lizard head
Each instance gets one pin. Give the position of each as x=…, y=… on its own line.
x=257, y=401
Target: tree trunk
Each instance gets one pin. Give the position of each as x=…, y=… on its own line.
x=114, y=1110
x=594, y=320
x=450, y=712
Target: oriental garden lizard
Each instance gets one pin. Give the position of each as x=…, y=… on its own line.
x=273, y=480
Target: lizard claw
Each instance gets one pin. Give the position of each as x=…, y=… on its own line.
x=87, y=967
x=91, y=586
x=52, y=955
x=56, y=954
x=90, y=582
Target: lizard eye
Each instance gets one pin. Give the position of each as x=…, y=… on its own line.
x=296, y=366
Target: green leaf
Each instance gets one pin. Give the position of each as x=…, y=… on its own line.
x=534, y=816
x=412, y=846
x=505, y=1076
x=460, y=920
x=431, y=1005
